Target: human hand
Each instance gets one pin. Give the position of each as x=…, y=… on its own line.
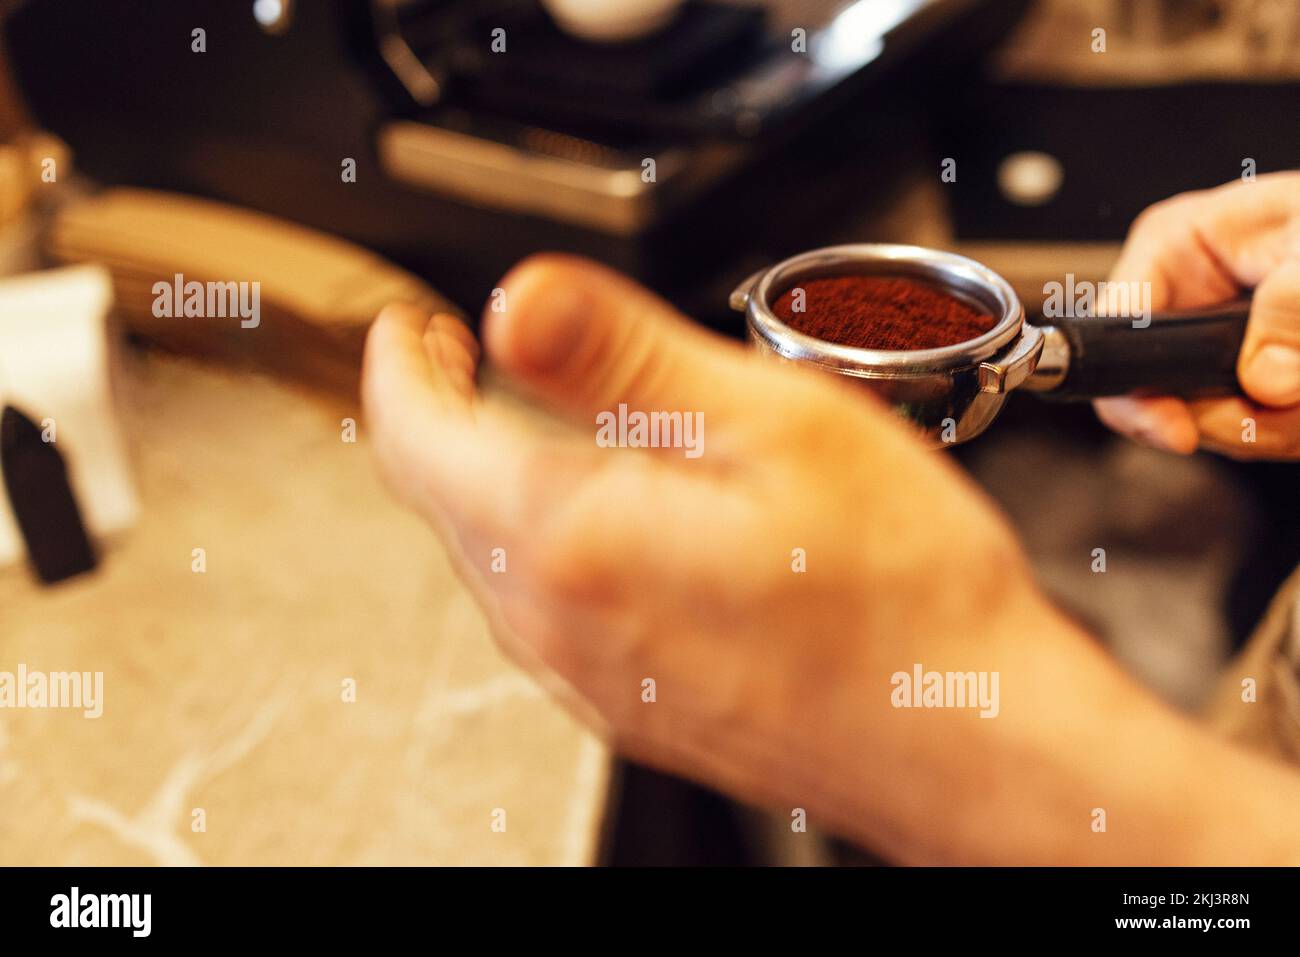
x=770, y=682
x=1201, y=248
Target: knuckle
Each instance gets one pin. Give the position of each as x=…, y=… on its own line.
x=1279, y=292
x=1159, y=215
x=398, y=313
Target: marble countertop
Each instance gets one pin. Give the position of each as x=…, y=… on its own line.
x=227, y=736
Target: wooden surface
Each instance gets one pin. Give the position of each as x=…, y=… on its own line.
x=224, y=690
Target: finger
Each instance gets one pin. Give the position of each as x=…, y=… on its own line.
x=1269, y=364
x=1250, y=227
x=1163, y=251
x=1242, y=430
x=451, y=348
x=1161, y=422
x=1200, y=248
x=458, y=462
x=585, y=339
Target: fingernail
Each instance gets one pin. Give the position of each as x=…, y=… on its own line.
x=1273, y=374
x=548, y=320
x=557, y=319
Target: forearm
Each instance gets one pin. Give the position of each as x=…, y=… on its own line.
x=1095, y=770
x=1081, y=766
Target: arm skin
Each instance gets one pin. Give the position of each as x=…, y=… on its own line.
x=774, y=686
x=1081, y=736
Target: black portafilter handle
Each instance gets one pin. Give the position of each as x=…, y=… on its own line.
x=1184, y=352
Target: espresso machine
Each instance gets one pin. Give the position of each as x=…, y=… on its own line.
x=723, y=136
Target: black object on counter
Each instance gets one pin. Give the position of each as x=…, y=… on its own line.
x=36, y=481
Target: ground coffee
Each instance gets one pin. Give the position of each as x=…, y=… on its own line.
x=881, y=312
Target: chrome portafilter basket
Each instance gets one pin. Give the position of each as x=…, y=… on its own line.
x=953, y=393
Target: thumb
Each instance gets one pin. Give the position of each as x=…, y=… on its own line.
x=584, y=339
x=1269, y=364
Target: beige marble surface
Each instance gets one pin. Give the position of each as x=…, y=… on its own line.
x=224, y=690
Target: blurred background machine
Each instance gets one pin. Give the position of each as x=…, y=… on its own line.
x=767, y=124
x=1094, y=109
x=481, y=130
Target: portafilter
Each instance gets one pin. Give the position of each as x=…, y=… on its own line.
x=953, y=393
